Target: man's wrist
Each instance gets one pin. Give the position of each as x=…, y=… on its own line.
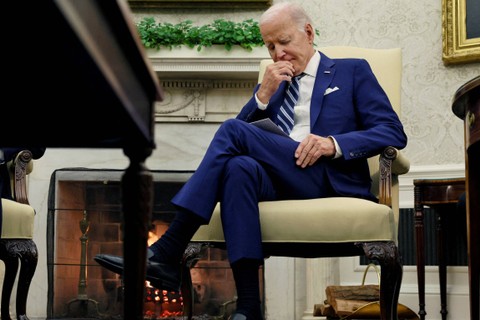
x=260, y=104
x=338, y=151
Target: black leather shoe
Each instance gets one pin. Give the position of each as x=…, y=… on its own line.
x=162, y=276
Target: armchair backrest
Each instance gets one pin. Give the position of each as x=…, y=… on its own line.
x=387, y=67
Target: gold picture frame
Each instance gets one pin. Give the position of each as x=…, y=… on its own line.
x=457, y=47
x=196, y=4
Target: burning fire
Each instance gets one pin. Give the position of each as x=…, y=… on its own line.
x=152, y=237
x=162, y=303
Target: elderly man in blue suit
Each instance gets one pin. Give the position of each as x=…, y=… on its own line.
x=342, y=116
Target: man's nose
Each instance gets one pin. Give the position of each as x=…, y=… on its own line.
x=279, y=52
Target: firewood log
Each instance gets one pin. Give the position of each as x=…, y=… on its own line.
x=365, y=292
x=325, y=310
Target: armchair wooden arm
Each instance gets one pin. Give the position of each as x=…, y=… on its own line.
x=21, y=166
x=392, y=163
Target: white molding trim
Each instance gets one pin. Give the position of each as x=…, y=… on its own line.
x=189, y=77
x=213, y=61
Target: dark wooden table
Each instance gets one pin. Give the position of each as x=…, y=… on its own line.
x=466, y=106
x=442, y=195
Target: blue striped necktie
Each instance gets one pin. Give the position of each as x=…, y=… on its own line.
x=285, y=115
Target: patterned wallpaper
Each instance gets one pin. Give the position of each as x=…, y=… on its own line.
x=435, y=133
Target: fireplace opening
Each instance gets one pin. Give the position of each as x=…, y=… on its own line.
x=84, y=219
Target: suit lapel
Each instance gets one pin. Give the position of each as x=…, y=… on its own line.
x=325, y=73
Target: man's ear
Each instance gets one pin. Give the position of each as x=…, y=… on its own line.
x=309, y=31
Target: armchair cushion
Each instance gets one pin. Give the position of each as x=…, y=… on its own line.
x=18, y=219
x=315, y=220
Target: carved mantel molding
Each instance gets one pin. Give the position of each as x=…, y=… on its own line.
x=210, y=85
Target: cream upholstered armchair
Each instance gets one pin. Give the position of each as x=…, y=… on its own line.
x=337, y=227
x=16, y=242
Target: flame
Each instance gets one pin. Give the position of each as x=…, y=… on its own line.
x=163, y=303
x=152, y=237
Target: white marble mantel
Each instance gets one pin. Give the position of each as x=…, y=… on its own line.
x=210, y=85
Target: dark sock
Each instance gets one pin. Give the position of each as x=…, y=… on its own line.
x=246, y=275
x=172, y=244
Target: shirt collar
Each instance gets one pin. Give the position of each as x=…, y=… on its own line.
x=313, y=64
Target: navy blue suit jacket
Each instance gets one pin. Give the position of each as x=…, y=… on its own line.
x=359, y=116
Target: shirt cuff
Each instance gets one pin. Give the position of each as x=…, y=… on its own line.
x=338, y=150
x=260, y=104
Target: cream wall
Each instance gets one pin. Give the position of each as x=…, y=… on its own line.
x=435, y=134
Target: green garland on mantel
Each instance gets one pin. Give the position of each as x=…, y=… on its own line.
x=245, y=34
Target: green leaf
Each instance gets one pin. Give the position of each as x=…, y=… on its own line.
x=245, y=34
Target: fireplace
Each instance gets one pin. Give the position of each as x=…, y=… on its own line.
x=85, y=218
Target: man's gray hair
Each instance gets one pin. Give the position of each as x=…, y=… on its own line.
x=295, y=11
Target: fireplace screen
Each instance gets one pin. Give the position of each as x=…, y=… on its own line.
x=85, y=218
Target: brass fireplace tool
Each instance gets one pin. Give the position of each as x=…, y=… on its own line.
x=82, y=299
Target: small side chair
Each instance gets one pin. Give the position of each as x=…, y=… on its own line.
x=16, y=242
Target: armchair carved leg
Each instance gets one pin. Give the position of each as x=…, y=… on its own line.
x=11, y=252
x=11, y=268
x=387, y=255
x=190, y=258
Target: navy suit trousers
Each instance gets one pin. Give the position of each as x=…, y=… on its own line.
x=242, y=166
